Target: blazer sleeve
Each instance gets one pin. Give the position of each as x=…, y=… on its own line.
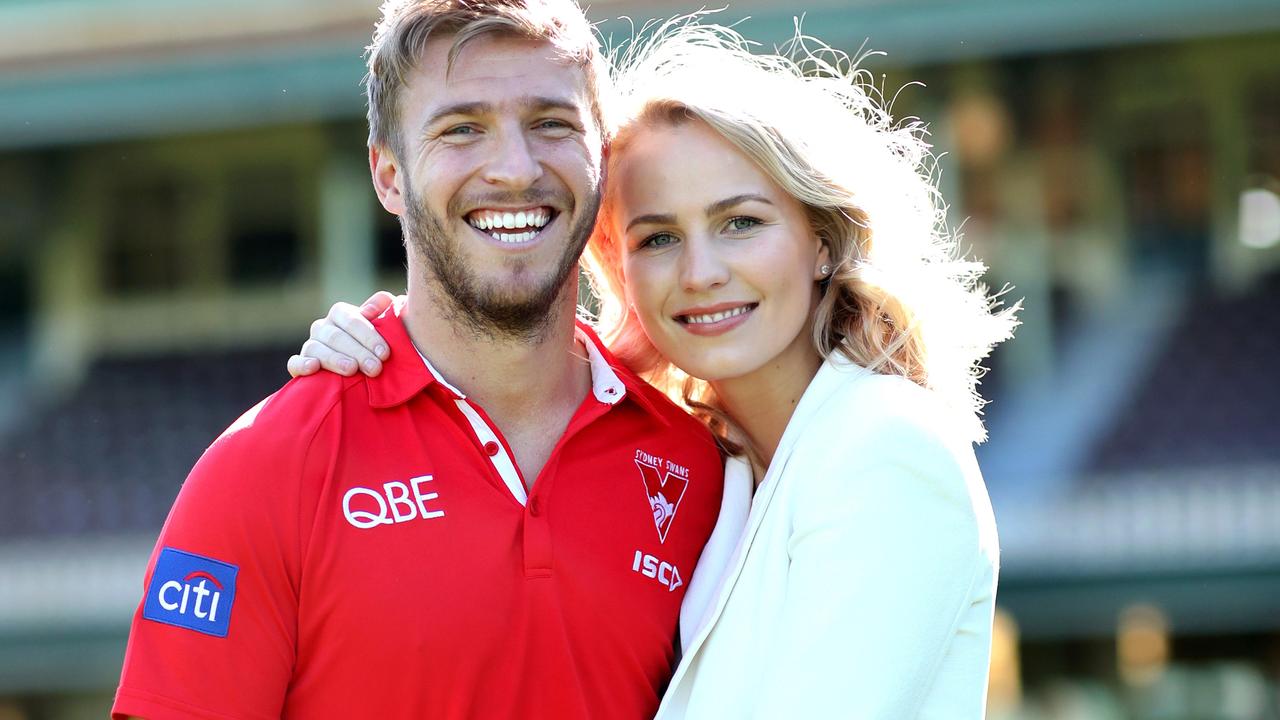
x=887, y=552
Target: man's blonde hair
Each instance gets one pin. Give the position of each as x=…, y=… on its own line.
x=401, y=36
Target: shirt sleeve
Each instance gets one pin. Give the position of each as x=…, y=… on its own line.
x=215, y=633
x=887, y=553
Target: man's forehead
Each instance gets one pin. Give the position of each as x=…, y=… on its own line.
x=500, y=59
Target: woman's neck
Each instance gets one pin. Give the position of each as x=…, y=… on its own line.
x=762, y=402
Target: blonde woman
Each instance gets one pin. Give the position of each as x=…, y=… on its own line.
x=771, y=252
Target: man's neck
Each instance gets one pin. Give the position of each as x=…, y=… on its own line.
x=513, y=379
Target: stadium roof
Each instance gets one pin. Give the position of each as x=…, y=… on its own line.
x=75, y=71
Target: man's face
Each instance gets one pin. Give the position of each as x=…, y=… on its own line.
x=500, y=179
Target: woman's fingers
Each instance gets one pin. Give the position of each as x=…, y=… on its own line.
x=331, y=359
x=354, y=323
x=338, y=351
x=299, y=366
x=376, y=304
x=344, y=341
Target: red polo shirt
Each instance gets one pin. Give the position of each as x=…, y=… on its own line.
x=364, y=547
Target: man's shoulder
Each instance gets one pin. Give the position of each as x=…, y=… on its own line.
x=288, y=419
x=261, y=466
x=677, y=420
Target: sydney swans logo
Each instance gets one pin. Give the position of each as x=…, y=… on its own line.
x=664, y=483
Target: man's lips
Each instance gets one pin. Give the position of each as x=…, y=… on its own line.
x=511, y=225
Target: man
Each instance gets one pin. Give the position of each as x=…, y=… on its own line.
x=471, y=533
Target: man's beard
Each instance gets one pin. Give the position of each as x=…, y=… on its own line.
x=490, y=308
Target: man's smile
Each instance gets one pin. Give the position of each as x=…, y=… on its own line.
x=511, y=225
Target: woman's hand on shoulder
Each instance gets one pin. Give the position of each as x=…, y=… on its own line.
x=344, y=340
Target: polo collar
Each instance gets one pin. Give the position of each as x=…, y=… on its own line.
x=401, y=378
x=610, y=379
x=400, y=381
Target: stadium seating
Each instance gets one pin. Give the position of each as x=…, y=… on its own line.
x=109, y=459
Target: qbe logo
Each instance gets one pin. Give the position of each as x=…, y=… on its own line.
x=398, y=502
x=192, y=592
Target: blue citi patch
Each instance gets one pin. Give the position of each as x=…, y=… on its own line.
x=192, y=592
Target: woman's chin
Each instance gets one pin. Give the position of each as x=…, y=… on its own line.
x=717, y=369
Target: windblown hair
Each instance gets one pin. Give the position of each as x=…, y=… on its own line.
x=901, y=300
x=401, y=36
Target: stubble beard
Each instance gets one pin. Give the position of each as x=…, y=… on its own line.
x=489, y=309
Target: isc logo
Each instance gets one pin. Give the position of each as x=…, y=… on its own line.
x=663, y=572
x=191, y=591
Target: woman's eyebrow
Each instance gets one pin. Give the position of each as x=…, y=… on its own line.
x=714, y=208
x=652, y=220
x=720, y=206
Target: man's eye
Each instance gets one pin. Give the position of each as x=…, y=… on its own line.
x=460, y=130
x=552, y=124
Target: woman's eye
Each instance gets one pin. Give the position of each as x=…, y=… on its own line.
x=743, y=223
x=659, y=240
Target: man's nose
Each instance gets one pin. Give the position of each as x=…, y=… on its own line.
x=514, y=163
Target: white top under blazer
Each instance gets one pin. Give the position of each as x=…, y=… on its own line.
x=860, y=582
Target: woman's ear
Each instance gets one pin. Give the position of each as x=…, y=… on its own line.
x=822, y=266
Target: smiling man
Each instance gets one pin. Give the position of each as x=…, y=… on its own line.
x=471, y=533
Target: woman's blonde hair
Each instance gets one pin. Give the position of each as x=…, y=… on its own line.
x=900, y=299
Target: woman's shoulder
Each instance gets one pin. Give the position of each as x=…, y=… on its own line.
x=872, y=425
x=867, y=407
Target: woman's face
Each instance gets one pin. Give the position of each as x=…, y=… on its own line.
x=719, y=261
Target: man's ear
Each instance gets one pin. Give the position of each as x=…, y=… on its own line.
x=388, y=179
x=605, y=149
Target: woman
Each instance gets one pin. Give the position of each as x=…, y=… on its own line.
x=770, y=251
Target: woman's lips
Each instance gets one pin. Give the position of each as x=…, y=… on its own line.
x=715, y=320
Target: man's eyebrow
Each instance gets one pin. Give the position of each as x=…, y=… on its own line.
x=720, y=206
x=462, y=108
x=480, y=107
x=543, y=102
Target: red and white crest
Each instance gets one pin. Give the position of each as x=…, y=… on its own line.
x=665, y=490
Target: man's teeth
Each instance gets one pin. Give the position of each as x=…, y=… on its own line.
x=524, y=220
x=715, y=317
x=513, y=237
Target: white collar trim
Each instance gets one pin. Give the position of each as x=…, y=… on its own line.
x=605, y=384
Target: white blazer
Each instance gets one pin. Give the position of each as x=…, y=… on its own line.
x=861, y=583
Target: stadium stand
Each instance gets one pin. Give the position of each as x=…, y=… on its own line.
x=110, y=458
x=1212, y=395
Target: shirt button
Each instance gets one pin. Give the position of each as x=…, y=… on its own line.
x=492, y=448
x=535, y=507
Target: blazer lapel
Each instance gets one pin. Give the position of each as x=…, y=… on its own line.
x=830, y=375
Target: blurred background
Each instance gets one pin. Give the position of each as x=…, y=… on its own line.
x=183, y=187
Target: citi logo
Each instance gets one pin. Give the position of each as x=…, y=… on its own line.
x=179, y=596
x=651, y=567
x=191, y=591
